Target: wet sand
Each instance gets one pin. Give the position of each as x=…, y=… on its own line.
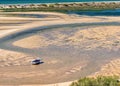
x=110, y=69
x=70, y=46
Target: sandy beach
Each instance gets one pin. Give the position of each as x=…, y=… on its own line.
x=70, y=46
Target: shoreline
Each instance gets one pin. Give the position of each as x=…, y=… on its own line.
x=60, y=3
x=60, y=7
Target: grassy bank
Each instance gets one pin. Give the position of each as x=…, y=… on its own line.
x=99, y=81
x=50, y=9
x=63, y=7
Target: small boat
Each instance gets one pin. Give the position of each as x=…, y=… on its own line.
x=36, y=62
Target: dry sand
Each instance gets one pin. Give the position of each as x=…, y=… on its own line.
x=102, y=37
x=10, y=58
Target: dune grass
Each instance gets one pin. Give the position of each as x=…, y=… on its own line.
x=99, y=81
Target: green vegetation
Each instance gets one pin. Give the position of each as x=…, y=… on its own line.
x=49, y=9
x=99, y=81
x=64, y=7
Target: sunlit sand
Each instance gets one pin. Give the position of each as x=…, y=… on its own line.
x=80, y=46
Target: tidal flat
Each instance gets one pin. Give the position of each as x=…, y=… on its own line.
x=71, y=47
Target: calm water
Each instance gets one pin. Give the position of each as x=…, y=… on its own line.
x=45, y=1
x=114, y=12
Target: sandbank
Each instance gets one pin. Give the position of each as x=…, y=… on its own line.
x=96, y=39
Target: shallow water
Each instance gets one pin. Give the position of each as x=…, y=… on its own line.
x=67, y=56
x=114, y=12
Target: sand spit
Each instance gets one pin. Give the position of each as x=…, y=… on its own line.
x=67, y=56
x=61, y=6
